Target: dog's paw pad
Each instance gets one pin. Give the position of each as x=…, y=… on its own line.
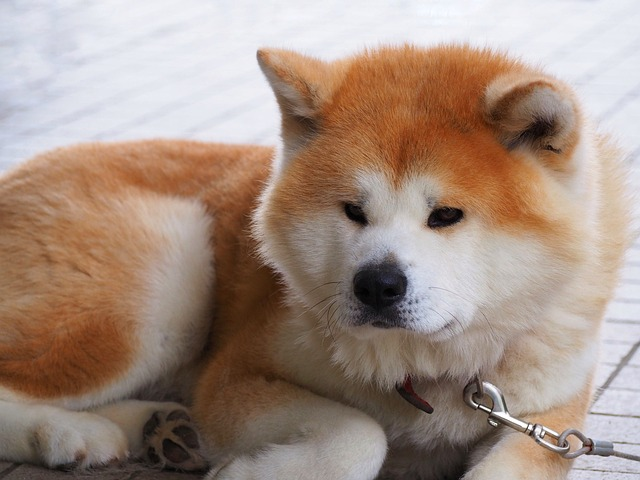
x=174, y=452
x=171, y=441
x=187, y=435
x=179, y=415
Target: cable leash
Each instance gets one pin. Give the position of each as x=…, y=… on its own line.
x=499, y=415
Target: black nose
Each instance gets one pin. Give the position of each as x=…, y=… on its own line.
x=380, y=286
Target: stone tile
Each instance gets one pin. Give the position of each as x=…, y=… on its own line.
x=623, y=332
x=603, y=372
x=23, y=147
x=128, y=472
x=630, y=290
x=251, y=125
x=631, y=271
x=622, y=403
x=616, y=429
x=611, y=352
x=183, y=117
x=635, y=359
x=600, y=475
x=628, y=379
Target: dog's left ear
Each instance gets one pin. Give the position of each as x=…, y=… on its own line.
x=537, y=114
x=302, y=86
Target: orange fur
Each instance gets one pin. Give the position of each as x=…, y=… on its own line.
x=69, y=326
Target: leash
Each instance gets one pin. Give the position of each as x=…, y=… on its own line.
x=498, y=414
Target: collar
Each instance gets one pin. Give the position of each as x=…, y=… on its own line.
x=408, y=393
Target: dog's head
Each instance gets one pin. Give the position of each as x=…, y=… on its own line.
x=428, y=200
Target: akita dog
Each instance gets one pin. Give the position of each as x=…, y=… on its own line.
x=433, y=216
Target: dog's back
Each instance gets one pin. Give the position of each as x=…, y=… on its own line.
x=107, y=254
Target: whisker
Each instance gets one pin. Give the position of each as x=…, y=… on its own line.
x=452, y=293
x=456, y=320
x=323, y=300
x=326, y=308
x=480, y=311
x=320, y=286
x=437, y=313
x=328, y=322
x=331, y=315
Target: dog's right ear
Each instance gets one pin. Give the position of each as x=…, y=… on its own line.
x=537, y=114
x=302, y=85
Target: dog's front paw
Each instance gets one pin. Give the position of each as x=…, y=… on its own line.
x=171, y=440
x=78, y=440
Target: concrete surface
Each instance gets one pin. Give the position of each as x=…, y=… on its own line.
x=79, y=70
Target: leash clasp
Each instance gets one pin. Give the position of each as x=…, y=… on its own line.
x=498, y=414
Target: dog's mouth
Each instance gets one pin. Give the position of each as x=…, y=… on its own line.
x=383, y=320
x=382, y=325
x=381, y=298
x=397, y=321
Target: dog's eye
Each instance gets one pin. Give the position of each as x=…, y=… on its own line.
x=552, y=149
x=444, y=216
x=355, y=213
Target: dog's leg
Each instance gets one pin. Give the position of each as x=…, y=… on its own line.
x=158, y=432
x=58, y=438
x=261, y=429
x=514, y=455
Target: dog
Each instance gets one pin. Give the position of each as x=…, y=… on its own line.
x=433, y=218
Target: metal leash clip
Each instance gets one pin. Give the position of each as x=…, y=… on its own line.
x=499, y=415
x=475, y=392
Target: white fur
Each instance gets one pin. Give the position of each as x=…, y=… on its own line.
x=318, y=439
x=54, y=436
x=461, y=282
x=175, y=315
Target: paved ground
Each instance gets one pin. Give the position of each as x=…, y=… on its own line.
x=78, y=70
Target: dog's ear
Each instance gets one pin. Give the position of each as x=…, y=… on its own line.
x=302, y=86
x=298, y=81
x=537, y=114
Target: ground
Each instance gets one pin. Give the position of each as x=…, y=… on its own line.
x=81, y=70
